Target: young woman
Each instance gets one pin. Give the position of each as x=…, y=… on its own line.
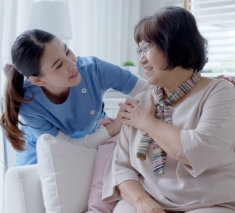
x=177, y=152
x=49, y=90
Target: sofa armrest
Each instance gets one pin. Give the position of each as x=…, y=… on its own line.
x=23, y=192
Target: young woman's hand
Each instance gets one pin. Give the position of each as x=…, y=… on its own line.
x=228, y=78
x=113, y=126
x=135, y=115
x=148, y=205
x=105, y=121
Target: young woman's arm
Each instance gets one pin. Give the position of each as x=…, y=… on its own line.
x=97, y=138
x=140, y=86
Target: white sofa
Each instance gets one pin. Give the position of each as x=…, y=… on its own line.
x=23, y=193
x=59, y=183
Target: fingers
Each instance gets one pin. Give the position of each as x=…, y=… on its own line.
x=228, y=78
x=231, y=79
x=125, y=107
x=125, y=115
x=128, y=105
x=126, y=122
x=131, y=102
x=220, y=76
x=105, y=121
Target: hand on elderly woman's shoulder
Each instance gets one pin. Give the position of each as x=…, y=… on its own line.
x=113, y=126
x=229, y=78
x=135, y=115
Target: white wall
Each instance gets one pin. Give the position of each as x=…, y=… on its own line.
x=148, y=7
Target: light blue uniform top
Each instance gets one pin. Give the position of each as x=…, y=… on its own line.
x=78, y=115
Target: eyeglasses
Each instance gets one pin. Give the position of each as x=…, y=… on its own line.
x=145, y=49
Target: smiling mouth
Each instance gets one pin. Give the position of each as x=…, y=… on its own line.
x=148, y=69
x=74, y=75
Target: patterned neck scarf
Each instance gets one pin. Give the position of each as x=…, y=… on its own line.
x=163, y=112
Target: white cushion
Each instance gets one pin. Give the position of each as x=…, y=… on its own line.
x=23, y=190
x=65, y=171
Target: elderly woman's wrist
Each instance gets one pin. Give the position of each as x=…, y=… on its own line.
x=147, y=122
x=141, y=198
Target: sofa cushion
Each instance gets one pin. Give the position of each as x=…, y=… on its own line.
x=65, y=171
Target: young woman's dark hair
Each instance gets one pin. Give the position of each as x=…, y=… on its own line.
x=174, y=31
x=26, y=54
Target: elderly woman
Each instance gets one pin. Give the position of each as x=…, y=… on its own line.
x=176, y=151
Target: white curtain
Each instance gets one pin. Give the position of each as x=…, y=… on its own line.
x=14, y=16
x=104, y=28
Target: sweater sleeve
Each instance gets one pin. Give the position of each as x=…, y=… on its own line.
x=214, y=137
x=39, y=124
x=91, y=141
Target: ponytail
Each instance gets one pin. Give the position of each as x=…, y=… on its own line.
x=26, y=54
x=14, y=95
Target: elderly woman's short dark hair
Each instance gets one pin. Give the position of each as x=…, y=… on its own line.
x=174, y=31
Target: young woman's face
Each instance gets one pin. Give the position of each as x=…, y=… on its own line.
x=58, y=68
x=154, y=61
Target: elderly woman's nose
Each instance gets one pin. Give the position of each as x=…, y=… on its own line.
x=142, y=58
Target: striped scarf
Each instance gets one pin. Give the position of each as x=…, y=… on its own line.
x=163, y=112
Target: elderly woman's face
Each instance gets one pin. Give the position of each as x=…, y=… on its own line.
x=153, y=61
